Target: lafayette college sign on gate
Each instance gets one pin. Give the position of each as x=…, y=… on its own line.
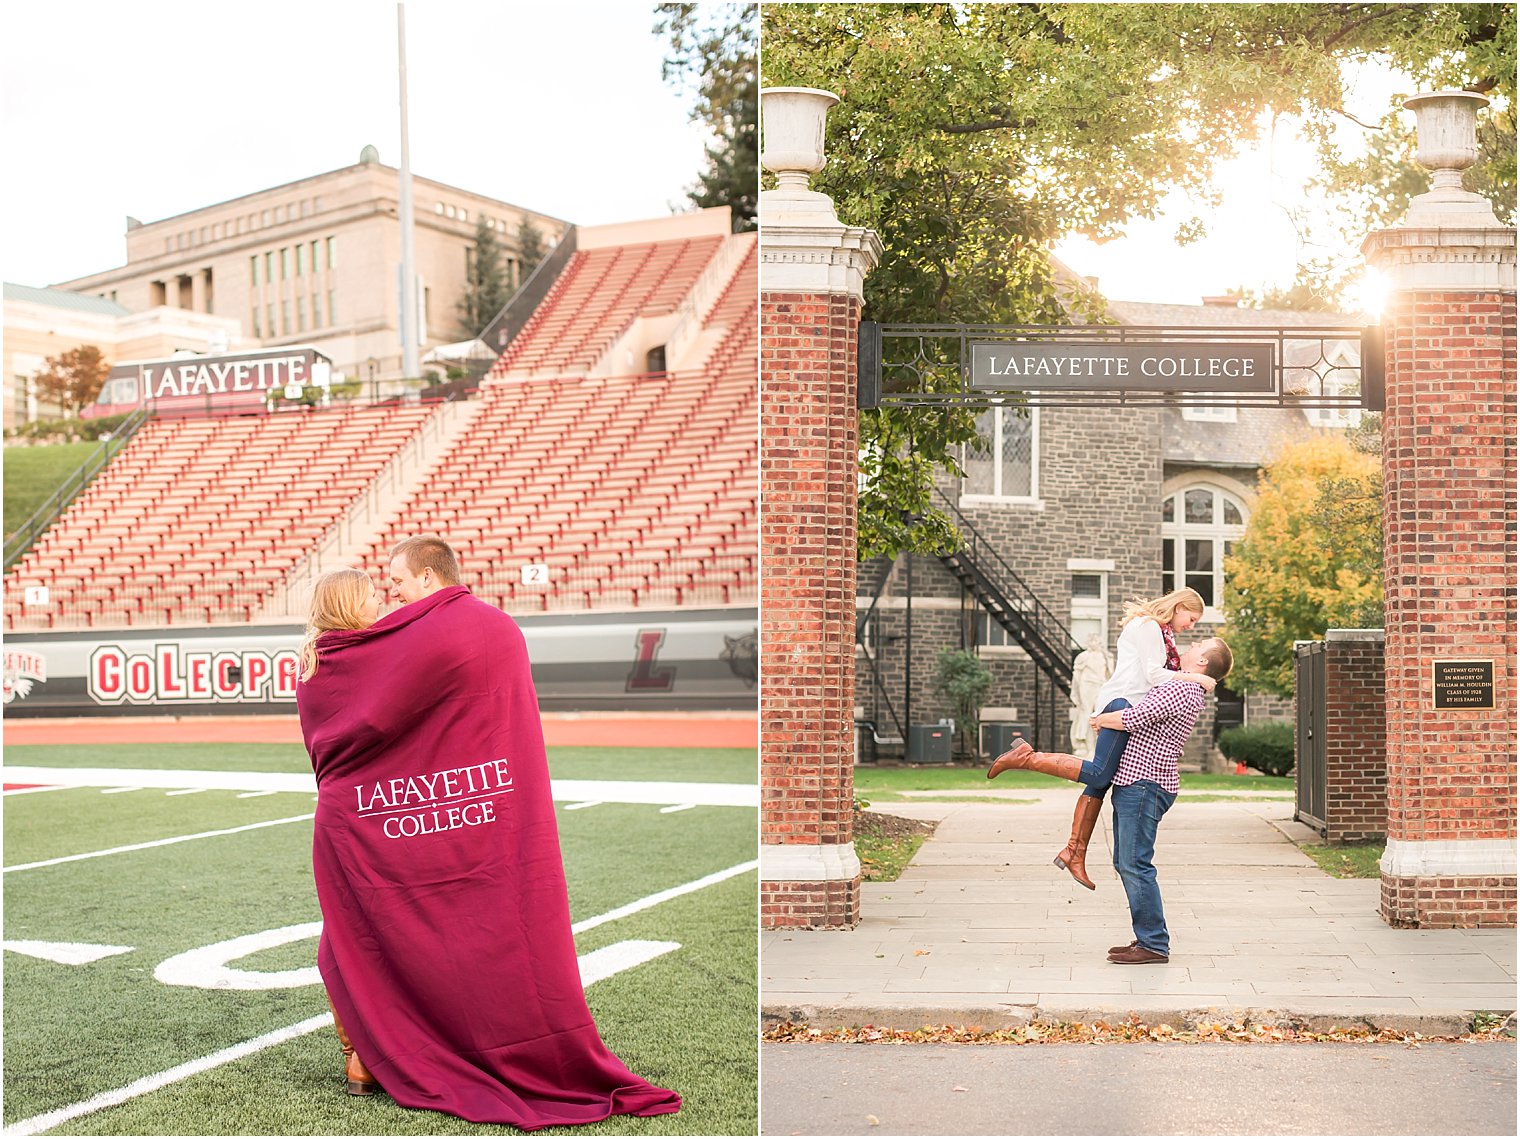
x=1134, y=367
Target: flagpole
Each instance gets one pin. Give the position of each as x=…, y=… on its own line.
x=410, y=368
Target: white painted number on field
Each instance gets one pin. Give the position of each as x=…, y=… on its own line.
x=535, y=573
x=66, y=952
x=209, y=967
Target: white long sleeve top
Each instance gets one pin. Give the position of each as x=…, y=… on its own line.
x=1139, y=664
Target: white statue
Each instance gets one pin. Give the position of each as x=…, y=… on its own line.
x=1088, y=672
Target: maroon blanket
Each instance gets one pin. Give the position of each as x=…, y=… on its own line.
x=446, y=943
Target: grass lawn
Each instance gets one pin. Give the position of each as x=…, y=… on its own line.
x=1346, y=861
x=887, y=843
x=34, y=473
x=684, y=1020
x=880, y=783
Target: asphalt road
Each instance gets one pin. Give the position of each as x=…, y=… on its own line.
x=1138, y=1089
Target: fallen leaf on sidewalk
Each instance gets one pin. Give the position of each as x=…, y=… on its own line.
x=921, y=953
x=1132, y=1030
x=873, y=1121
x=958, y=1088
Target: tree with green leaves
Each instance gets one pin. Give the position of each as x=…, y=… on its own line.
x=487, y=287
x=1311, y=559
x=530, y=249
x=971, y=136
x=74, y=378
x=716, y=47
x=965, y=678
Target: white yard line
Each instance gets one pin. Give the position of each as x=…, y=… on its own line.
x=664, y=896
x=563, y=790
x=147, y=1084
x=155, y=842
x=593, y=964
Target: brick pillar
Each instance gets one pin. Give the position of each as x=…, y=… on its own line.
x=812, y=272
x=1356, y=758
x=1449, y=544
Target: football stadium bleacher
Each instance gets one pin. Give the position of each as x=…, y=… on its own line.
x=633, y=488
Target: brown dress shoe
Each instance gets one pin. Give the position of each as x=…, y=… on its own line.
x=1122, y=948
x=1137, y=955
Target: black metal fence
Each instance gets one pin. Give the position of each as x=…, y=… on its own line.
x=1309, y=779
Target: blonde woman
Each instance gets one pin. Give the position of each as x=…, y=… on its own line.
x=344, y=599
x=1146, y=656
x=341, y=599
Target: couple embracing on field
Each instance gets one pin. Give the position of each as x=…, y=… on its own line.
x=1143, y=716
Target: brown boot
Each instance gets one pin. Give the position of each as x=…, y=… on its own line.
x=1074, y=858
x=1025, y=758
x=360, y=1082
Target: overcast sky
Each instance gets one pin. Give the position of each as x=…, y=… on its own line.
x=155, y=107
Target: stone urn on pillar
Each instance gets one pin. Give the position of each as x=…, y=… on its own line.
x=1446, y=128
x=812, y=276
x=792, y=121
x=1449, y=539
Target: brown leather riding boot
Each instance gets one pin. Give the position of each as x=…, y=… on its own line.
x=1023, y=757
x=360, y=1082
x=1074, y=858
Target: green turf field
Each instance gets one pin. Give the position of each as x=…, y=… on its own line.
x=684, y=1020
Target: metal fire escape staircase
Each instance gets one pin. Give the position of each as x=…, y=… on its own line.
x=982, y=571
x=872, y=580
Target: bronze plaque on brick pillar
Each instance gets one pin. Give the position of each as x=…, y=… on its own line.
x=1462, y=685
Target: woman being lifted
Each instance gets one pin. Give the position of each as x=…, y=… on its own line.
x=1146, y=656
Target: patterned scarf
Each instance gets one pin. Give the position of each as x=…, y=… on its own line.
x=1173, y=661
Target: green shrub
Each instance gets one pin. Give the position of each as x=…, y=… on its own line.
x=70, y=429
x=1266, y=747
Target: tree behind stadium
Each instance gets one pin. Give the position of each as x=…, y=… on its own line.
x=74, y=378
x=716, y=45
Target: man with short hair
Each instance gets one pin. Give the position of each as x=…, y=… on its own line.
x=422, y=566
x=1144, y=788
x=447, y=948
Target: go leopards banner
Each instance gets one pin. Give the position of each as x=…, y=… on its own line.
x=677, y=660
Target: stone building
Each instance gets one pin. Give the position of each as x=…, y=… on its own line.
x=48, y=322
x=316, y=262
x=1089, y=506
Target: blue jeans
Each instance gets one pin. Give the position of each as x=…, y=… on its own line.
x=1138, y=808
x=1098, y=772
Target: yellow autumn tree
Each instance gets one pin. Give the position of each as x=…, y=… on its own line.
x=1310, y=560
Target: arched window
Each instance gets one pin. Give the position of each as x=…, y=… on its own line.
x=1199, y=525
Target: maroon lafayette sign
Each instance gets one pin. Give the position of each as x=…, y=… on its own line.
x=212, y=383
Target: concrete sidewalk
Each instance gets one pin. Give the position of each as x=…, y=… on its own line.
x=983, y=929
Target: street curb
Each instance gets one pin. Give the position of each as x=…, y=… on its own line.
x=908, y=1017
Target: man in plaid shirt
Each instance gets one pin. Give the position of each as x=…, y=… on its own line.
x=1144, y=788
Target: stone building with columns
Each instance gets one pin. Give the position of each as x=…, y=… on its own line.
x=316, y=262
x=1449, y=443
